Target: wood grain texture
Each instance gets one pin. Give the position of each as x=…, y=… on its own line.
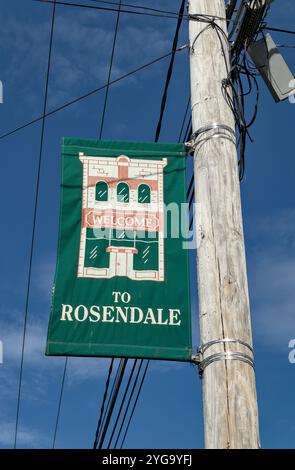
x=229, y=392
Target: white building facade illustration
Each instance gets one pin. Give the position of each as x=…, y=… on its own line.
x=122, y=229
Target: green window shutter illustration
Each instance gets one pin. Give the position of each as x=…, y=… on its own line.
x=101, y=191
x=123, y=192
x=144, y=193
x=147, y=251
x=96, y=254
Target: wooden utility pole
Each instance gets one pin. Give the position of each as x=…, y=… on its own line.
x=229, y=392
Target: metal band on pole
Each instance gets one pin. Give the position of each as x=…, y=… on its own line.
x=206, y=346
x=222, y=356
x=226, y=356
x=221, y=131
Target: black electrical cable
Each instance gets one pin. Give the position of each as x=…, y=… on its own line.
x=107, y=408
x=135, y=403
x=190, y=187
x=92, y=7
x=236, y=102
x=110, y=71
x=112, y=405
x=59, y=402
x=156, y=12
x=122, y=403
x=128, y=404
x=235, y=97
x=190, y=194
x=103, y=402
x=141, y=7
x=188, y=131
x=169, y=72
x=230, y=9
x=285, y=45
x=239, y=105
x=221, y=35
x=234, y=94
x=184, y=119
x=109, y=399
x=279, y=30
x=138, y=7
x=190, y=202
x=28, y=288
x=191, y=197
x=92, y=92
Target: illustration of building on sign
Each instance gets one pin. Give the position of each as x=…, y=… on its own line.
x=122, y=230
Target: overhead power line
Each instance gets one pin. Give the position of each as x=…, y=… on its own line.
x=110, y=71
x=109, y=399
x=184, y=118
x=100, y=443
x=286, y=46
x=94, y=7
x=122, y=403
x=137, y=7
x=169, y=72
x=92, y=92
x=128, y=404
x=230, y=9
x=103, y=403
x=135, y=403
x=154, y=12
x=59, y=402
x=279, y=30
x=28, y=288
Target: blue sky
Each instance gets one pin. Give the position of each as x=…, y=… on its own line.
x=170, y=408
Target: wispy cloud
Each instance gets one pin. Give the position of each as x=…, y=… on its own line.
x=80, y=55
x=40, y=372
x=44, y=277
x=27, y=437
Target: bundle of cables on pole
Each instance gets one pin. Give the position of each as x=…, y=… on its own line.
x=241, y=81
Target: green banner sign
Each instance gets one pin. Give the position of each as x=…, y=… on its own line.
x=122, y=277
